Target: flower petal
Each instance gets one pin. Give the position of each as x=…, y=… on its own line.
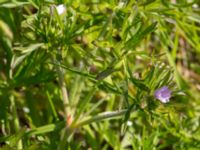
x=163, y=94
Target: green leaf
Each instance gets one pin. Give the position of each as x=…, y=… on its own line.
x=105, y=73
x=76, y=71
x=84, y=102
x=46, y=128
x=14, y=4
x=13, y=140
x=128, y=112
x=22, y=53
x=138, y=83
x=139, y=35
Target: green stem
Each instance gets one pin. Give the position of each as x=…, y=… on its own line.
x=14, y=110
x=52, y=106
x=68, y=113
x=15, y=120
x=88, y=120
x=63, y=88
x=100, y=117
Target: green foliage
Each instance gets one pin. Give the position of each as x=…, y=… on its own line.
x=82, y=74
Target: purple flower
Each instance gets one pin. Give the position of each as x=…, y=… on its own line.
x=163, y=94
